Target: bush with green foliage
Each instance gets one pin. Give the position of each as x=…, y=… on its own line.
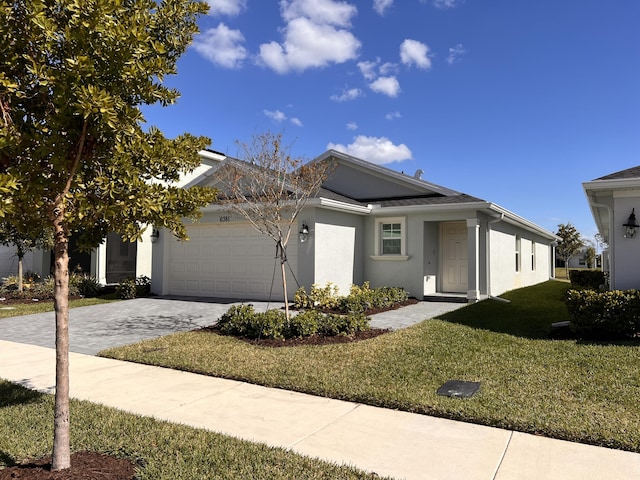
x=591, y=279
x=130, y=288
x=86, y=285
x=605, y=315
x=244, y=321
x=360, y=298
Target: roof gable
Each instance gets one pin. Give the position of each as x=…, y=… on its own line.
x=633, y=172
x=366, y=182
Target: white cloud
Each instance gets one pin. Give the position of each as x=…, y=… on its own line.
x=275, y=115
x=388, y=68
x=367, y=69
x=328, y=12
x=347, y=95
x=446, y=3
x=226, y=7
x=378, y=150
x=393, y=115
x=278, y=117
x=381, y=6
x=386, y=85
x=455, y=53
x=352, y=126
x=414, y=52
x=313, y=36
x=222, y=46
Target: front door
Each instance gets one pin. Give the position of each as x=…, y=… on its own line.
x=454, y=257
x=121, y=258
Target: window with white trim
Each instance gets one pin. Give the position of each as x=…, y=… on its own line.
x=533, y=256
x=390, y=239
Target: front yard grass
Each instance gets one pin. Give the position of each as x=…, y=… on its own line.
x=165, y=451
x=18, y=309
x=559, y=388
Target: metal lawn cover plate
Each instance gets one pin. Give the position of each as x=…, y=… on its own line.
x=459, y=389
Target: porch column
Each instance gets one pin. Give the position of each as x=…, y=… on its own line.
x=473, y=259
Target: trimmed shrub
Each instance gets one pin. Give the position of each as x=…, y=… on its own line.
x=604, y=315
x=243, y=321
x=143, y=286
x=304, y=324
x=126, y=289
x=591, y=279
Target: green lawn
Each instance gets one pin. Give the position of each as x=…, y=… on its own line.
x=165, y=451
x=17, y=309
x=559, y=388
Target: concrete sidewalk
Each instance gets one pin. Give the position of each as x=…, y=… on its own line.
x=388, y=442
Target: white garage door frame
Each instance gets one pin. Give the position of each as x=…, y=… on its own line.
x=228, y=260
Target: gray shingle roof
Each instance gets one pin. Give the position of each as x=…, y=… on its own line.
x=633, y=172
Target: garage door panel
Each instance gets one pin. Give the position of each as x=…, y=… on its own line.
x=226, y=260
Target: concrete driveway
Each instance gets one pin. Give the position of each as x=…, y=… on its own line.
x=95, y=328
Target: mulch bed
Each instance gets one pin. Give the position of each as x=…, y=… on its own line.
x=84, y=466
x=320, y=339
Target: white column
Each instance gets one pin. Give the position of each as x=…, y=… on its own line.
x=473, y=259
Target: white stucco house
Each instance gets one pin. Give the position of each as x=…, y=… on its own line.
x=613, y=199
x=109, y=263
x=367, y=223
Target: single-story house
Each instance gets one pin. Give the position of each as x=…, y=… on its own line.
x=613, y=199
x=367, y=223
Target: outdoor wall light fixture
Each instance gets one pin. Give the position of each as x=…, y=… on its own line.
x=155, y=235
x=631, y=227
x=304, y=232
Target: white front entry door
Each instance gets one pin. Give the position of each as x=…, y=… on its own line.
x=455, y=271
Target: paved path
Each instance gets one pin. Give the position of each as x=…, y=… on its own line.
x=98, y=327
x=388, y=442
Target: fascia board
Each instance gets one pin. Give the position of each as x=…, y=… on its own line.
x=615, y=184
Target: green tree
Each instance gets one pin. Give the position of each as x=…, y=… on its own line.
x=11, y=237
x=269, y=188
x=74, y=75
x=589, y=253
x=570, y=244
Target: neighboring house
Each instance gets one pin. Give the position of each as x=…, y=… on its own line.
x=111, y=262
x=367, y=223
x=613, y=200
x=577, y=261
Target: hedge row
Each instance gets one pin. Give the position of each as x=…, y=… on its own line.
x=359, y=300
x=593, y=279
x=604, y=315
x=244, y=321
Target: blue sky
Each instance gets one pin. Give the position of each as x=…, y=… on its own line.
x=515, y=102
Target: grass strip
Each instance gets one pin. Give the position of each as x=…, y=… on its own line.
x=18, y=309
x=165, y=451
x=566, y=389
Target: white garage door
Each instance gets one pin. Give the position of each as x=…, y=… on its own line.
x=228, y=260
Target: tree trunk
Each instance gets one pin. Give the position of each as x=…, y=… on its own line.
x=20, y=273
x=284, y=287
x=61, y=440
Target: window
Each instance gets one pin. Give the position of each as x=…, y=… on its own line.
x=390, y=239
x=518, y=242
x=533, y=256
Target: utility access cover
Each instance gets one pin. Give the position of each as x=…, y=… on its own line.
x=459, y=389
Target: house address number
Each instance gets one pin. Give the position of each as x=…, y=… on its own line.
x=225, y=218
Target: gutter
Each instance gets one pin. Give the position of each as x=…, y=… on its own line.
x=610, y=241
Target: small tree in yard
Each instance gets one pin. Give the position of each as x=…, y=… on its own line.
x=589, y=253
x=74, y=159
x=269, y=188
x=570, y=244
x=11, y=237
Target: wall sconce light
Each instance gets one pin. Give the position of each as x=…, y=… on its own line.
x=155, y=235
x=304, y=232
x=631, y=227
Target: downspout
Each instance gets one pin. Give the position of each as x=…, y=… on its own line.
x=488, y=257
x=611, y=241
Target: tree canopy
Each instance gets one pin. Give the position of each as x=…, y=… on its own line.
x=571, y=242
x=75, y=159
